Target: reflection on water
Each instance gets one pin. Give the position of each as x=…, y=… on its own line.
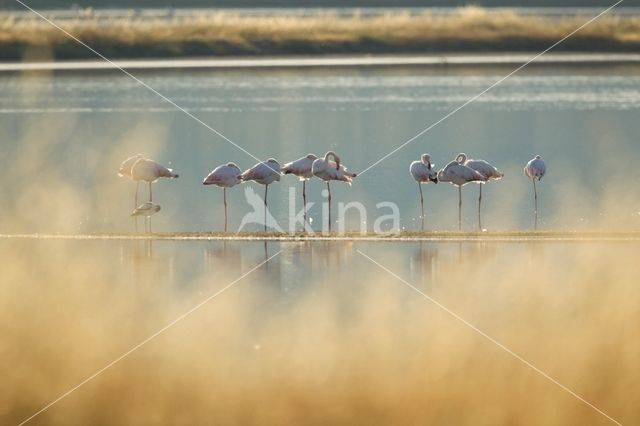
x=319, y=334
x=75, y=129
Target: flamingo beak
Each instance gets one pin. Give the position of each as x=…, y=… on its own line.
x=434, y=180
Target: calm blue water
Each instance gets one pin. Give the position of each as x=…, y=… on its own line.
x=64, y=135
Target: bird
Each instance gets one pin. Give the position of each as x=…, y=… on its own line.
x=264, y=173
x=150, y=171
x=302, y=168
x=125, y=170
x=456, y=173
x=423, y=172
x=329, y=170
x=146, y=210
x=224, y=176
x=486, y=170
x=535, y=170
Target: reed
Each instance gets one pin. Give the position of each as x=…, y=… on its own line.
x=469, y=29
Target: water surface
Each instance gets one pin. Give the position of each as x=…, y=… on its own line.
x=64, y=135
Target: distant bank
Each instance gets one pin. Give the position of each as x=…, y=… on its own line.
x=566, y=59
x=216, y=34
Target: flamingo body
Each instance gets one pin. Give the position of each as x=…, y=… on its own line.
x=485, y=169
x=423, y=171
x=459, y=174
x=264, y=173
x=329, y=170
x=302, y=167
x=150, y=171
x=225, y=176
x=535, y=168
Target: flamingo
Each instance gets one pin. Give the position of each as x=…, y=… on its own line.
x=486, y=170
x=264, y=173
x=456, y=173
x=302, y=167
x=535, y=170
x=150, y=171
x=423, y=172
x=329, y=170
x=225, y=176
x=147, y=210
x=125, y=170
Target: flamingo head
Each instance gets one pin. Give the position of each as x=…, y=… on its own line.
x=426, y=159
x=311, y=157
x=461, y=158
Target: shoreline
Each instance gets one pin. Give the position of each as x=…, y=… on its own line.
x=351, y=61
x=403, y=237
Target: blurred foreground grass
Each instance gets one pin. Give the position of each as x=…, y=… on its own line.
x=470, y=29
x=319, y=335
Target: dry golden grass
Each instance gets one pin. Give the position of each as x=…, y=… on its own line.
x=320, y=336
x=224, y=33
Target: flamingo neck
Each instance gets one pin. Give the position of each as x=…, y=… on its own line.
x=335, y=158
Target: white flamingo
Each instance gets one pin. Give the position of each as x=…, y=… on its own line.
x=456, y=173
x=486, y=170
x=535, y=170
x=302, y=168
x=150, y=171
x=125, y=170
x=264, y=173
x=225, y=176
x=329, y=170
x=146, y=210
x=423, y=172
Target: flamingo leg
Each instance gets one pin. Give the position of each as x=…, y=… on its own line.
x=304, y=202
x=266, y=188
x=224, y=191
x=150, y=193
x=459, y=208
x=479, y=203
x=421, y=204
x=329, y=189
x=535, y=211
x=135, y=201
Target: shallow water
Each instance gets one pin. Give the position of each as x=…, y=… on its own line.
x=65, y=134
x=319, y=334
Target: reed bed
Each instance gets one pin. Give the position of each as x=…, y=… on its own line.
x=469, y=29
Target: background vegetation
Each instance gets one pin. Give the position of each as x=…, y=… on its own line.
x=470, y=29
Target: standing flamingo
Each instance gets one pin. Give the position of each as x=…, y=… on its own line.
x=264, y=173
x=423, y=172
x=329, y=170
x=301, y=168
x=486, y=170
x=535, y=169
x=150, y=171
x=456, y=173
x=224, y=176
